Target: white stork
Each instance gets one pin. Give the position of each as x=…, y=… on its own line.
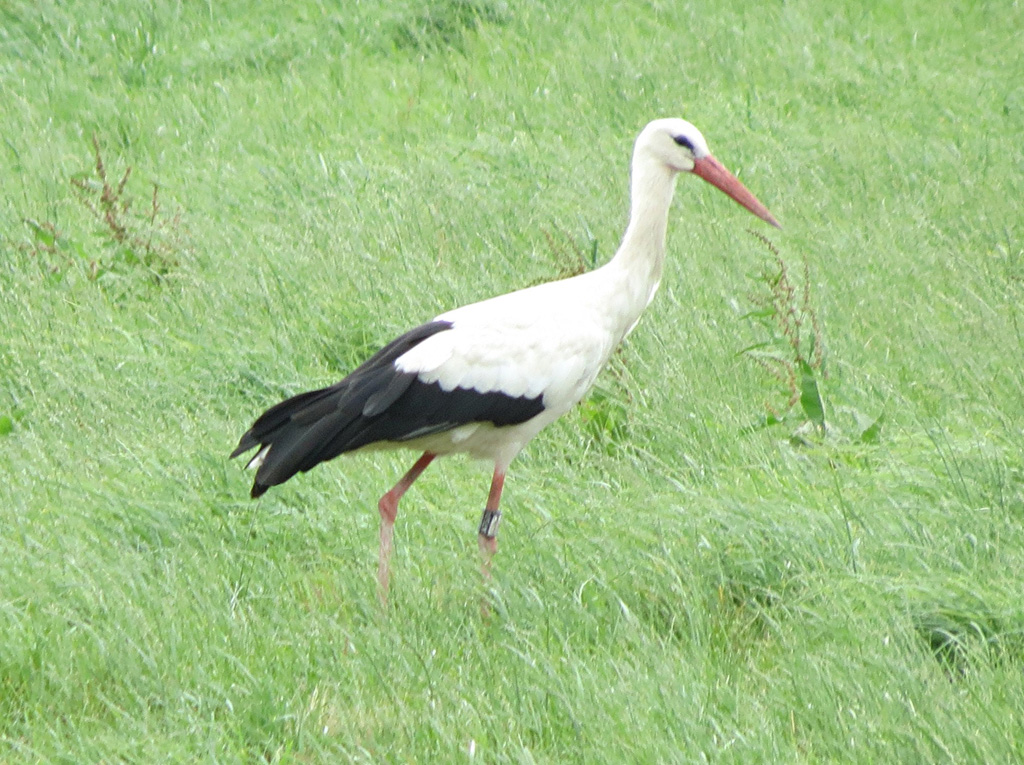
x=486, y=378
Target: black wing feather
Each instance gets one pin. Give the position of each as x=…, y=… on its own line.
x=374, y=403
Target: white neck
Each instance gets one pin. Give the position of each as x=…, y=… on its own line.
x=638, y=264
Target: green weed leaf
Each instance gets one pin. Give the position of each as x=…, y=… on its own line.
x=873, y=432
x=810, y=396
x=44, y=233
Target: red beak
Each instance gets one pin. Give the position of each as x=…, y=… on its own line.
x=714, y=172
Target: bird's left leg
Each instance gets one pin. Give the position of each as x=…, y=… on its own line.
x=388, y=507
x=489, y=522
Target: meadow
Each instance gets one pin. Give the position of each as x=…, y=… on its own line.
x=788, y=524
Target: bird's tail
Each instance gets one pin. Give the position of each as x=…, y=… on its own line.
x=292, y=436
x=318, y=425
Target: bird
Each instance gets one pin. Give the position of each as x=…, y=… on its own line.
x=485, y=378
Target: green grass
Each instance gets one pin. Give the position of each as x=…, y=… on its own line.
x=675, y=583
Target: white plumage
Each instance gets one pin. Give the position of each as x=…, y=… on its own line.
x=485, y=378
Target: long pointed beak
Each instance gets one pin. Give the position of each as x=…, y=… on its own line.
x=714, y=172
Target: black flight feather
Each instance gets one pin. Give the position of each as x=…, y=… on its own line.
x=374, y=403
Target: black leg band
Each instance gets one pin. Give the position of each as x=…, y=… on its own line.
x=489, y=523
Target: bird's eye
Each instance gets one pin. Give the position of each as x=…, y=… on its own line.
x=683, y=141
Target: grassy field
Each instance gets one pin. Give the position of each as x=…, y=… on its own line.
x=688, y=571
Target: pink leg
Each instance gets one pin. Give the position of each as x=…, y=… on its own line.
x=388, y=507
x=489, y=523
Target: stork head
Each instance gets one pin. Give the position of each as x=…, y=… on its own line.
x=680, y=146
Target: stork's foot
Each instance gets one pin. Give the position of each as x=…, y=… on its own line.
x=488, y=538
x=388, y=507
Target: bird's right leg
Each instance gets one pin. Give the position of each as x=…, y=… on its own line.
x=388, y=507
x=488, y=533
